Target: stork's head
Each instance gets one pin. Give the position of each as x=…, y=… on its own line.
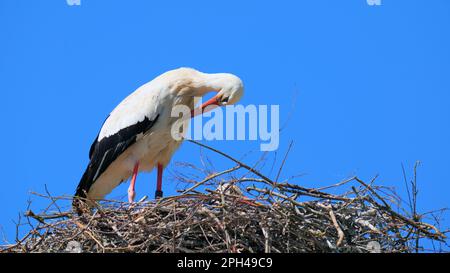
x=229, y=90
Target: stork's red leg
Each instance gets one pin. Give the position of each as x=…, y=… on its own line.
x=159, y=193
x=131, y=192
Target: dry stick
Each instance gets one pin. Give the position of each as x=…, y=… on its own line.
x=4, y=239
x=5, y=250
x=88, y=232
x=414, y=196
x=81, y=229
x=241, y=164
x=255, y=165
x=269, y=192
x=335, y=223
x=239, y=198
x=407, y=187
x=284, y=160
x=418, y=225
x=274, y=160
x=224, y=212
x=266, y=240
x=31, y=214
x=337, y=184
x=51, y=198
x=85, y=228
x=206, y=237
x=210, y=177
x=303, y=191
x=312, y=192
x=65, y=197
x=291, y=111
x=267, y=180
x=41, y=217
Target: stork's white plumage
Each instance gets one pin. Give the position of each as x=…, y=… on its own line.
x=136, y=136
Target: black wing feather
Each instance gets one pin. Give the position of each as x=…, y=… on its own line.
x=92, y=149
x=102, y=153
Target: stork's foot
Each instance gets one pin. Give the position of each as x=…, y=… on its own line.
x=158, y=194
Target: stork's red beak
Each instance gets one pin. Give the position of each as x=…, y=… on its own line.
x=200, y=110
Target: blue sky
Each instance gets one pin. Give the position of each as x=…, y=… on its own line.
x=366, y=88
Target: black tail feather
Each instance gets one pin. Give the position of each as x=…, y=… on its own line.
x=82, y=189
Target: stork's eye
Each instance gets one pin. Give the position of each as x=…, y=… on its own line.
x=224, y=99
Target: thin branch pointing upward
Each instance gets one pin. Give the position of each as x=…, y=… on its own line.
x=243, y=165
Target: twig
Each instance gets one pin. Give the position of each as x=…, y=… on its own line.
x=284, y=160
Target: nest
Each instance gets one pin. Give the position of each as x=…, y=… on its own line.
x=248, y=214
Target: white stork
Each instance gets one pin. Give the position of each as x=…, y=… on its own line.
x=136, y=136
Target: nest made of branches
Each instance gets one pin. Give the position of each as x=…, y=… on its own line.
x=226, y=213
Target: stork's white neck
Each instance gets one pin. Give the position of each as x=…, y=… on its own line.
x=216, y=82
